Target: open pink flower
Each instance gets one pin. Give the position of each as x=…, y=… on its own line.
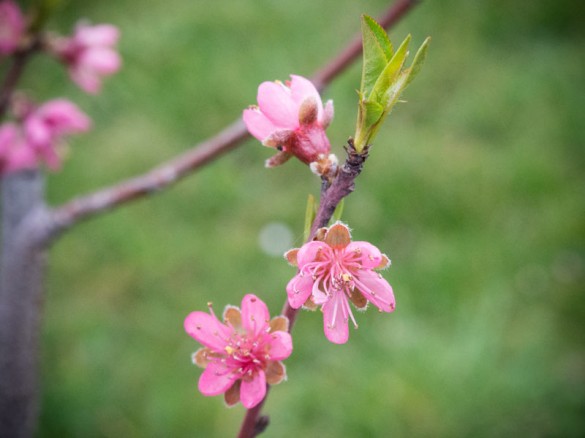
x=241, y=355
x=334, y=271
x=45, y=127
x=12, y=27
x=291, y=118
x=90, y=54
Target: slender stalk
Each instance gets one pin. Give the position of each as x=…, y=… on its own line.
x=342, y=186
x=14, y=73
x=154, y=181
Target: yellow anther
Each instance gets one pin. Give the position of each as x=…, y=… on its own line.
x=229, y=350
x=346, y=277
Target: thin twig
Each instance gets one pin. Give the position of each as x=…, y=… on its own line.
x=14, y=73
x=342, y=186
x=162, y=176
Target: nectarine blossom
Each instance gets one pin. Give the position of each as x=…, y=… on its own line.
x=333, y=271
x=12, y=27
x=90, y=54
x=15, y=153
x=45, y=127
x=291, y=118
x=38, y=134
x=241, y=355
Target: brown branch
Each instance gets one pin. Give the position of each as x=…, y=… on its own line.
x=14, y=73
x=153, y=181
x=167, y=174
x=342, y=186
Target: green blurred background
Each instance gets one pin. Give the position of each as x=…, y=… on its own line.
x=475, y=190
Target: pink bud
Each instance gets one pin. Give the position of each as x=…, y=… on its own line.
x=291, y=118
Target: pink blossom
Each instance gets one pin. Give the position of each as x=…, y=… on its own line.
x=15, y=154
x=333, y=271
x=291, y=118
x=241, y=355
x=90, y=54
x=12, y=27
x=46, y=126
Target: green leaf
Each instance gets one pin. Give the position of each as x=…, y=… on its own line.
x=396, y=90
x=380, y=35
x=338, y=211
x=310, y=213
x=419, y=59
x=373, y=112
x=390, y=73
x=377, y=51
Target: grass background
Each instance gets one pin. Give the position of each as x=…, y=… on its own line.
x=475, y=190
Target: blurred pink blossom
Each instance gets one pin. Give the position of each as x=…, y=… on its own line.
x=24, y=145
x=90, y=54
x=15, y=153
x=12, y=26
x=46, y=126
x=334, y=271
x=291, y=118
x=241, y=356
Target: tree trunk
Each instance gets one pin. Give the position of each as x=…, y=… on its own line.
x=22, y=265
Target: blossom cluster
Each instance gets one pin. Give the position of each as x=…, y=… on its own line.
x=244, y=353
x=37, y=132
x=38, y=136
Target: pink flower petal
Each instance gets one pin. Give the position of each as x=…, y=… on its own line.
x=255, y=315
x=252, y=392
x=299, y=290
x=8, y=137
x=206, y=329
x=86, y=79
x=21, y=157
x=102, y=61
x=301, y=88
x=308, y=252
x=368, y=255
x=62, y=117
x=280, y=345
x=216, y=379
x=12, y=26
x=275, y=102
x=36, y=131
x=376, y=289
x=258, y=124
x=96, y=35
x=335, y=324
